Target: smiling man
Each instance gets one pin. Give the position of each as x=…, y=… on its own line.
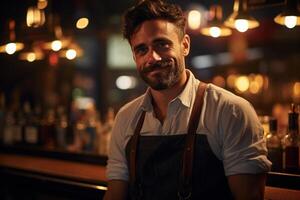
x=182, y=139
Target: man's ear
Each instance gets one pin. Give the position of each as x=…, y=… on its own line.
x=186, y=44
x=133, y=56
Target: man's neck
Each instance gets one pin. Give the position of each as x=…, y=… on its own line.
x=161, y=98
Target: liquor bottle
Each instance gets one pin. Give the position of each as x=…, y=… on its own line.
x=2, y=116
x=291, y=142
x=18, y=127
x=48, y=130
x=99, y=130
x=91, y=131
x=264, y=120
x=31, y=126
x=61, y=128
x=274, y=146
x=8, y=129
x=37, y=121
x=106, y=133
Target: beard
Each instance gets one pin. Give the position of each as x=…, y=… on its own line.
x=162, y=74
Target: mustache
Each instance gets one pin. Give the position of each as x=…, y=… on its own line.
x=159, y=64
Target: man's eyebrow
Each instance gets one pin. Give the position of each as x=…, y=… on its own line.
x=138, y=46
x=156, y=40
x=161, y=39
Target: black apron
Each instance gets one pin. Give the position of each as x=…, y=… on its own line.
x=158, y=163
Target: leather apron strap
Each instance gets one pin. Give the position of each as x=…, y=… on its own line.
x=185, y=184
x=133, y=149
x=186, y=174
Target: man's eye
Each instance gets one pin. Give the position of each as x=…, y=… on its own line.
x=141, y=50
x=163, y=45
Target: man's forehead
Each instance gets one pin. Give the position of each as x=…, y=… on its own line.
x=157, y=28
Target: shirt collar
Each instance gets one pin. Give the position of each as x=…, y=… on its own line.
x=185, y=97
x=146, y=103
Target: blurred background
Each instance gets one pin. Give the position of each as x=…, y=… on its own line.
x=65, y=70
x=67, y=59
x=261, y=64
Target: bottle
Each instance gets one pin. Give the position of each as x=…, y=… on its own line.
x=91, y=133
x=106, y=133
x=61, y=128
x=8, y=128
x=79, y=134
x=264, y=120
x=37, y=121
x=274, y=146
x=31, y=126
x=291, y=142
x=2, y=116
x=48, y=130
x=18, y=127
x=99, y=129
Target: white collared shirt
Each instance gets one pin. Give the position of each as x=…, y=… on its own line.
x=229, y=122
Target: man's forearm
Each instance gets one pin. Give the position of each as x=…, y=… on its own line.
x=116, y=190
x=247, y=186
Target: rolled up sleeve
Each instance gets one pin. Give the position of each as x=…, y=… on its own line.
x=244, y=147
x=117, y=164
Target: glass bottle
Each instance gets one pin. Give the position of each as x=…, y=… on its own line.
x=106, y=132
x=2, y=116
x=31, y=127
x=61, y=128
x=8, y=129
x=274, y=146
x=18, y=127
x=291, y=142
x=48, y=130
x=91, y=131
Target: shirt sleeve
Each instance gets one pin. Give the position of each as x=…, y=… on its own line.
x=117, y=164
x=244, y=147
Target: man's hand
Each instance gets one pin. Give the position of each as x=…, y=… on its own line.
x=247, y=186
x=116, y=190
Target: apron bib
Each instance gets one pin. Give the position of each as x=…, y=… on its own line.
x=159, y=168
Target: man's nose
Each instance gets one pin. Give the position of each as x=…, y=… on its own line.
x=153, y=57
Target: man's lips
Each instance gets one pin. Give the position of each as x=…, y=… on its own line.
x=157, y=67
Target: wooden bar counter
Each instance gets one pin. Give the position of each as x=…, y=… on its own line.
x=53, y=167
x=38, y=177
x=33, y=177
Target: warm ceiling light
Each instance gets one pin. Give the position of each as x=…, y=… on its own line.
x=242, y=83
x=56, y=45
x=11, y=46
x=31, y=55
x=242, y=25
x=42, y=4
x=58, y=41
x=215, y=31
x=71, y=54
x=296, y=89
x=240, y=18
x=215, y=27
x=82, y=23
x=126, y=82
x=194, y=19
x=290, y=16
x=35, y=17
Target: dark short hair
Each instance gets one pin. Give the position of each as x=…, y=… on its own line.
x=146, y=10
